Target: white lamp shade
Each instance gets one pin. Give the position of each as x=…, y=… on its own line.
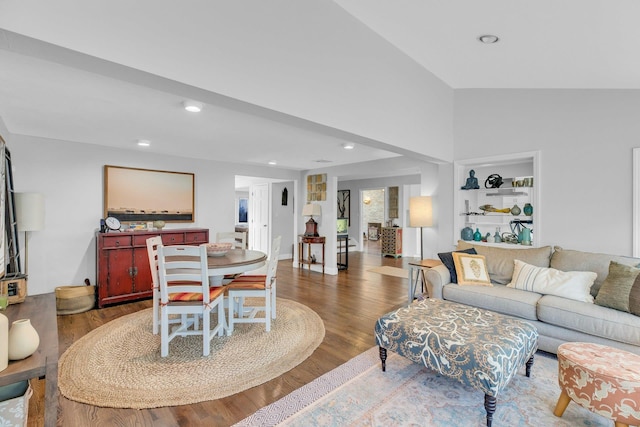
x=311, y=209
x=420, y=211
x=29, y=211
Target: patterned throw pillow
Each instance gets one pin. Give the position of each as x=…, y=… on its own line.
x=471, y=269
x=549, y=281
x=621, y=289
x=447, y=260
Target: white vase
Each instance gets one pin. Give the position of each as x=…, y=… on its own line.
x=4, y=342
x=23, y=339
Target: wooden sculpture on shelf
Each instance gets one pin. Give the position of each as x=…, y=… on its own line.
x=490, y=208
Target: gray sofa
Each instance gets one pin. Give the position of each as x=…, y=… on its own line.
x=557, y=319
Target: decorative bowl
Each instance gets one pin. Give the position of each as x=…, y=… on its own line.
x=218, y=249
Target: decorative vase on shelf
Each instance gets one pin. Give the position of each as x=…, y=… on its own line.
x=23, y=339
x=4, y=342
x=477, y=236
x=489, y=238
x=515, y=210
x=467, y=233
x=496, y=237
x=528, y=209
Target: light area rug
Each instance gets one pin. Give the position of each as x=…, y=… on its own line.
x=358, y=393
x=118, y=365
x=391, y=271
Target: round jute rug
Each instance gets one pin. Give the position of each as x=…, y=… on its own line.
x=118, y=365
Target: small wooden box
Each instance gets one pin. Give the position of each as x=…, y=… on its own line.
x=17, y=288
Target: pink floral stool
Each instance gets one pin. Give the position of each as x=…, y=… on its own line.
x=603, y=379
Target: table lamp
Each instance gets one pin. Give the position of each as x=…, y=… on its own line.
x=30, y=217
x=420, y=214
x=311, y=209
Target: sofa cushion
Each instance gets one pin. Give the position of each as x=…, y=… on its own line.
x=499, y=298
x=621, y=289
x=549, y=281
x=471, y=269
x=447, y=260
x=500, y=260
x=571, y=260
x=589, y=318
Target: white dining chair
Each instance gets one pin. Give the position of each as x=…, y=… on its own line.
x=258, y=286
x=238, y=238
x=184, y=290
x=152, y=252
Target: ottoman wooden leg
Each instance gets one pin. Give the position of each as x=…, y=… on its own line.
x=563, y=402
x=490, y=407
x=529, y=366
x=383, y=358
x=619, y=424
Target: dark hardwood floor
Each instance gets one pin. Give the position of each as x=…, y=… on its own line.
x=348, y=303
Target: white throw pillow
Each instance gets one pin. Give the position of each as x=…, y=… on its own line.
x=574, y=285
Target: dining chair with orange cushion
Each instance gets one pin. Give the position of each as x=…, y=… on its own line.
x=152, y=252
x=239, y=239
x=184, y=290
x=258, y=286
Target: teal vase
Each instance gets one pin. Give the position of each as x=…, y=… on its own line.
x=528, y=209
x=477, y=236
x=467, y=233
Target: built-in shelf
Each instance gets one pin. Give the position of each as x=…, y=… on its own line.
x=511, y=168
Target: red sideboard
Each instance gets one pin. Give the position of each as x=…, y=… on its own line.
x=123, y=272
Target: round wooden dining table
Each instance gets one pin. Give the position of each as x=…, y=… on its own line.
x=233, y=262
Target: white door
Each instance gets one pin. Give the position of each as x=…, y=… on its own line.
x=259, y=227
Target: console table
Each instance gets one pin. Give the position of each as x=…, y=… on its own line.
x=43, y=364
x=343, y=239
x=309, y=240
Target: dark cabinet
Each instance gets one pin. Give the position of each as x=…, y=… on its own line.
x=123, y=272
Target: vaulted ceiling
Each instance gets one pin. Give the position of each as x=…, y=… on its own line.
x=110, y=73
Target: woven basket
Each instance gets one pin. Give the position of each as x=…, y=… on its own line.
x=75, y=299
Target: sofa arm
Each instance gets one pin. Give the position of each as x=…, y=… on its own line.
x=437, y=277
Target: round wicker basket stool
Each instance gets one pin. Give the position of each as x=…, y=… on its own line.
x=603, y=379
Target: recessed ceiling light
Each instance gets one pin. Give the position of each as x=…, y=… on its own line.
x=323, y=161
x=273, y=162
x=348, y=146
x=144, y=143
x=488, y=39
x=193, y=106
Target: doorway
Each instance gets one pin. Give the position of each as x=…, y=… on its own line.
x=373, y=209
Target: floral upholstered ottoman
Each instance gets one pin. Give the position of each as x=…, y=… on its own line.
x=603, y=379
x=476, y=347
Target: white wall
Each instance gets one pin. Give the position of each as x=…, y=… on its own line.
x=71, y=177
x=282, y=218
x=585, y=138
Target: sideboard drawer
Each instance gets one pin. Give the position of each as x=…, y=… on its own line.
x=173, y=238
x=118, y=241
x=197, y=237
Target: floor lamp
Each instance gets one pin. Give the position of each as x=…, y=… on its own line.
x=420, y=214
x=30, y=217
